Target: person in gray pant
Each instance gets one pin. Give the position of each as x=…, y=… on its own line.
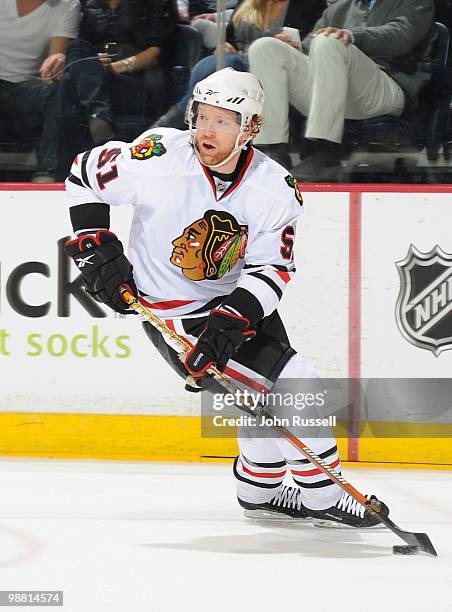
x=361, y=60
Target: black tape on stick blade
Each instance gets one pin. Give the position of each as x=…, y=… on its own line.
x=405, y=550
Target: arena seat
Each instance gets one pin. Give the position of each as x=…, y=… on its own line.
x=424, y=127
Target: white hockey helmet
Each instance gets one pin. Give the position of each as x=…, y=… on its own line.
x=233, y=90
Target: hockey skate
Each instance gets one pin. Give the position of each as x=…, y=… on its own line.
x=285, y=505
x=348, y=513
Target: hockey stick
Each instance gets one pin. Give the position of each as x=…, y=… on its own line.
x=416, y=541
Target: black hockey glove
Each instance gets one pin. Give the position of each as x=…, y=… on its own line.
x=104, y=267
x=224, y=334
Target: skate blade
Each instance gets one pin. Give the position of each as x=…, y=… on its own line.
x=268, y=515
x=324, y=524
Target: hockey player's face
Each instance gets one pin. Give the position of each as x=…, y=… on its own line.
x=187, y=252
x=216, y=133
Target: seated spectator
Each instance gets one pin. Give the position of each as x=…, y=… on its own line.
x=251, y=20
x=182, y=11
x=33, y=40
x=120, y=62
x=361, y=61
x=188, y=9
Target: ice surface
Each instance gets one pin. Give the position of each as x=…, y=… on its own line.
x=156, y=537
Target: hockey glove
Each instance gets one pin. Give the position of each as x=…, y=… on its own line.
x=224, y=334
x=104, y=267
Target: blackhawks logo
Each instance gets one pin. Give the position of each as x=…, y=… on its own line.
x=148, y=147
x=209, y=247
x=292, y=182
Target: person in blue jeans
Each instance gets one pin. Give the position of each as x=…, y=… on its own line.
x=251, y=19
x=116, y=67
x=175, y=117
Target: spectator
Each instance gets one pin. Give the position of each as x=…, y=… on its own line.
x=183, y=11
x=34, y=35
x=251, y=19
x=119, y=63
x=206, y=24
x=361, y=61
x=188, y=9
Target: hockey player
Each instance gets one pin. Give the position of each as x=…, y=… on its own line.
x=211, y=251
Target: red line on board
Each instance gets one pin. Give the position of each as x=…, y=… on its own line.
x=354, y=323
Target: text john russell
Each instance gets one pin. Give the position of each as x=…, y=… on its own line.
x=263, y=421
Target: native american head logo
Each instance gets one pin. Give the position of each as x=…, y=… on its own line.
x=209, y=247
x=292, y=182
x=424, y=305
x=148, y=147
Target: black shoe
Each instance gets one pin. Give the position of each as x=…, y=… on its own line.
x=277, y=152
x=312, y=170
x=173, y=118
x=286, y=504
x=321, y=162
x=100, y=129
x=347, y=512
x=42, y=177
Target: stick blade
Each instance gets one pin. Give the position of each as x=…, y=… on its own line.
x=421, y=540
x=424, y=544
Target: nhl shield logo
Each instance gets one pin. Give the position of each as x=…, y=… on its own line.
x=424, y=305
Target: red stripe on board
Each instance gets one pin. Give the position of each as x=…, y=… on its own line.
x=165, y=305
x=266, y=475
x=375, y=188
x=316, y=472
x=354, y=323
x=31, y=187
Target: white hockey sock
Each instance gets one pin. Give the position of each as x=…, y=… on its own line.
x=318, y=492
x=258, y=483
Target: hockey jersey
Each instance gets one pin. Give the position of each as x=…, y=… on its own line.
x=194, y=238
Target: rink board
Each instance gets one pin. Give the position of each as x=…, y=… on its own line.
x=84, y=384
x=178, y=438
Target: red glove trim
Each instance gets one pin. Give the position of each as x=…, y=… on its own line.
x=96, y=238
x=249, y=333
x=232, y=315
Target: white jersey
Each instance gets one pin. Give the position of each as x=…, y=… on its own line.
x=194, y=239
